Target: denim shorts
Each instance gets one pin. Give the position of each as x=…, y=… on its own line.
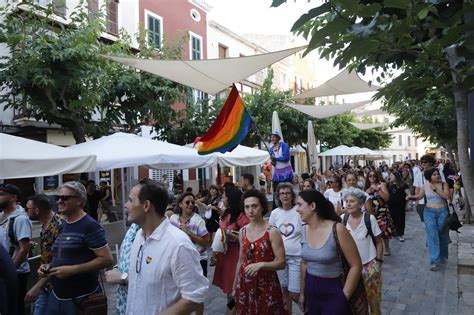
x=290, y=277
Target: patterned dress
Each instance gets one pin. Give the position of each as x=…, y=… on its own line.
x=381, y=212
x=123, y=264
x=260, y=294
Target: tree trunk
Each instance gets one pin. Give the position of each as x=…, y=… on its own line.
x=449, y=148
x=460, y=100
x=79, y=132
x=460, y=97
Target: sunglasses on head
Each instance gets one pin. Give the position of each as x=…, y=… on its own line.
x=65, y=197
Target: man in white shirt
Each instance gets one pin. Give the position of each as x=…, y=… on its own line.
x=165, y=276
x=427, y=162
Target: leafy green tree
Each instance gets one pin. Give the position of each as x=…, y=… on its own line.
x=426, y=41
x=58, y=74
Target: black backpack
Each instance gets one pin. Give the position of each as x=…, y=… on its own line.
x=367, y=223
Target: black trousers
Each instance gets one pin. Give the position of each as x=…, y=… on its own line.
x=22, y=282
x=398, y=216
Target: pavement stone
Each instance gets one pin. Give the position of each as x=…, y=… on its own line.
x=409, y=287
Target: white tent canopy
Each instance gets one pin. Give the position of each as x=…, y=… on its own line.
x=210, y=75
x=125, y=150
x=327, y=110
x=342, y=150
x=21, y=158
x=243, y=156
x=240, y=156
x=362, y=126
x=341, y=84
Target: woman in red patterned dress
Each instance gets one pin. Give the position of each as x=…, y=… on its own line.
x=262, y=253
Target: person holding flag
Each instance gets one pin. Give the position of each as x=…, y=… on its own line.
x=280, y=156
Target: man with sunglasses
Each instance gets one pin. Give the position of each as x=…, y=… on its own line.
x=79, y=253
x=15, y=236
x=427, y=163
x=39, y=209
x=165, y=276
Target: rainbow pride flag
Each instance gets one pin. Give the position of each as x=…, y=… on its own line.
x=230, y=127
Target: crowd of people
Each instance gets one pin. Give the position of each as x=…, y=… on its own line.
x=321, y=246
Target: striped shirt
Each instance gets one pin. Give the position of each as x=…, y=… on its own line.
x=195, y=225
x=75, y=245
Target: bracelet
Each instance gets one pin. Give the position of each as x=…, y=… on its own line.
x=379, y=260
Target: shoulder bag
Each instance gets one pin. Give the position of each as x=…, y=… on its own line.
x=358, y=301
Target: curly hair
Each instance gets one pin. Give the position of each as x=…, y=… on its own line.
x=260, y=196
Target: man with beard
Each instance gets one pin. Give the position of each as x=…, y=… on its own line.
x=39, y=208
x=15, y=235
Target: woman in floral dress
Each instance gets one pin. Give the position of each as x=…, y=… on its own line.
x=257, y=289
x=379, y=195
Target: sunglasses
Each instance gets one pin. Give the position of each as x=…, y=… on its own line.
x=138, y=264
x=373, y=176
x=192, y=202
x=250, y=253
x=65, y=197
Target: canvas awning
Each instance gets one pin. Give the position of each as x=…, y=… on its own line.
x=341, y=84
x=327, y=110
x=22, y=158
x=125, y=150
x=209, y=75
x=362, y=126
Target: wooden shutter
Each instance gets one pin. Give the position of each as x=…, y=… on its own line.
x=112, y=17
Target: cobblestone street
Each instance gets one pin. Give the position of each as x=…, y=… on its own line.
x=409, y=287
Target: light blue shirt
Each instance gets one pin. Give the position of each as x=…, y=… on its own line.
x=22, y=230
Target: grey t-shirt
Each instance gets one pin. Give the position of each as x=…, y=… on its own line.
x=22, y=228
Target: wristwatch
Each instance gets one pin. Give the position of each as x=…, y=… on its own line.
x=124, y=278
x=379, y=260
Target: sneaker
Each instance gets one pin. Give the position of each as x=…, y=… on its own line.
x=213, y=261
x=434, y=267
x=401, y=239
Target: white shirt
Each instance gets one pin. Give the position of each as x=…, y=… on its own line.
x=334, y=197
x=420, y=180
x=288, y=222
x=365, y=245
x=168, y=270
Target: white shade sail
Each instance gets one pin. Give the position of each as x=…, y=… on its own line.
x=22, y=158
x=341, y=84
x=342, y=150
x=312, y=148
x=240, y=156
x=362, y=126
x=125, y=150
x=210, y=75
x=327, y=110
